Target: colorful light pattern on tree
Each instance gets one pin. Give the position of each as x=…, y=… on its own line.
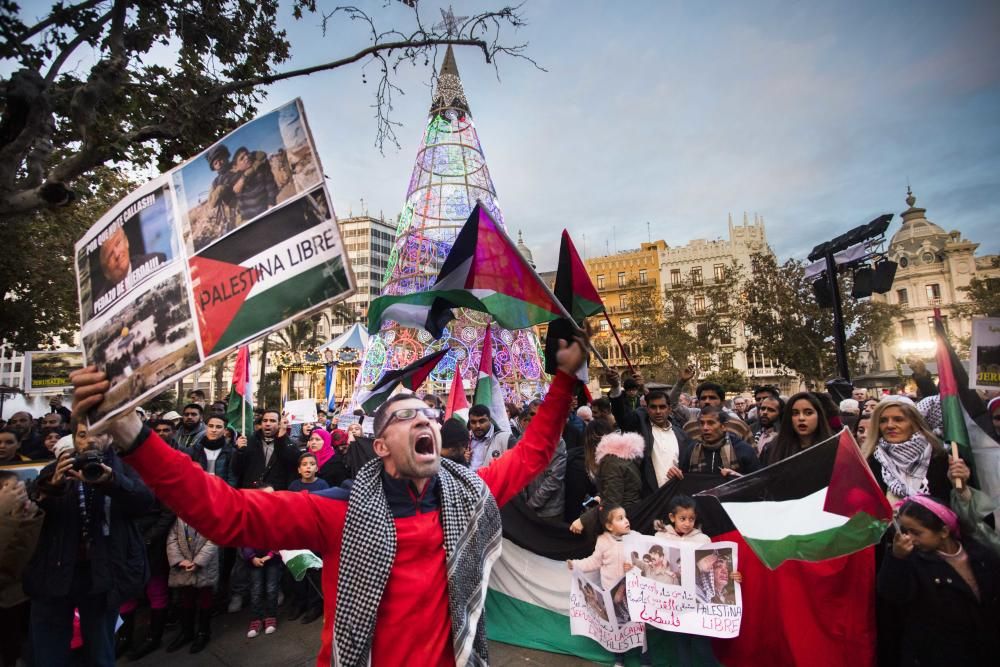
x=449, y=176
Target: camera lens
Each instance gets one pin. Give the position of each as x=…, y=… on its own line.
x=92, y=471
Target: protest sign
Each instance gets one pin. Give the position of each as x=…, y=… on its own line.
x=603, y=615
x=368, y=426
x=47, y=371
x=301, y=412
x=681, y=587
x=237, y=242
x=984, y=354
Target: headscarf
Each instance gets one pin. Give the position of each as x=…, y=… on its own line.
x=326, y=451
x=338, y=438
x=947, y=516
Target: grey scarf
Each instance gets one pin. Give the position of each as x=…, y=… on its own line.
x=470, y=520
x=904, y=465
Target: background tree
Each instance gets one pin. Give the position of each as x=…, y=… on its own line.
x=40, y=305
x=732, y=380
x=60, y=122
x=783, y=322
x=663, y=343
x=983, y=296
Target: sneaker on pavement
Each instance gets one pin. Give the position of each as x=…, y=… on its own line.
x=270, y=625
x=255, y=626
x=235, y=604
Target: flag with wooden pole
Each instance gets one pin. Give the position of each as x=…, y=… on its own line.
x=241, y=393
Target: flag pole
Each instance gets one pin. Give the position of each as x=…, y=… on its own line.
x=619, y=340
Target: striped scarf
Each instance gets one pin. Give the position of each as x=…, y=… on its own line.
x=470, y=520
x=904, y=465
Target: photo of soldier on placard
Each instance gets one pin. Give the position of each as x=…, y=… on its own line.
x=248, y=172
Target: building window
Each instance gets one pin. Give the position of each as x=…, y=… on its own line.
x=675, y=277
x=626, y=323
x=696, y=278
x=726, y=361
x=903, y=296
x=678, y=305
x=642, y=276
x=702, y=334
x=699, y=304
x=909, y=329
x=621, y=279
x=720, y=273
x=933, y=293
x=600, y=281
x=623, y=302
x=726, y=336
x=602, y=326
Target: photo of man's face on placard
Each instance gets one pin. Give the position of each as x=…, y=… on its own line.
x=714, y=572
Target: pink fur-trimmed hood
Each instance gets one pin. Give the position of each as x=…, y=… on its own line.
x=623, y=445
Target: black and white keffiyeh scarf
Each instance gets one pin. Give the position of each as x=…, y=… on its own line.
x=470, y=520
x=904, y=465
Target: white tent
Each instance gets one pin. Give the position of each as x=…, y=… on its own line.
x=355, y=338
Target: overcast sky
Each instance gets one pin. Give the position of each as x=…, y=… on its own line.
x=813, y=115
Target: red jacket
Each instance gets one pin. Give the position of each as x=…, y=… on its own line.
x=413, y=621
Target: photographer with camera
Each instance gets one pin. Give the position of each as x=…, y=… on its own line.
x=90, y=554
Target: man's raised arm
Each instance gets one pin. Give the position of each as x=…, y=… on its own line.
x=225, y=515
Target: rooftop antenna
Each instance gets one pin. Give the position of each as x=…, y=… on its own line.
x=649, y=237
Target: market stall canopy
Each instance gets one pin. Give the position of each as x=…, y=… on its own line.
x=355, y=338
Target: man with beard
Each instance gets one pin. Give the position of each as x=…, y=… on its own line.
x=266, y=458
x=29, y=442
x=765, y=429
x=715, y=450
x=664, y=440
x=487, y=442
x=415, y=538
x=192, y=429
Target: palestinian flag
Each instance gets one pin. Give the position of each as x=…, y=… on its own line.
x=818, y=504
x=573, y=286
x=458, y=405
x=239, y=407
x=484, y=272
x=410, y=377
x=952, y=413
x=299, y=560
x=267, y=272
x=488, y=391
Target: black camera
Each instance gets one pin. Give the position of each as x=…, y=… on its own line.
x=90, y=464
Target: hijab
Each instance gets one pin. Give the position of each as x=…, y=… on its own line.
x=326, y=451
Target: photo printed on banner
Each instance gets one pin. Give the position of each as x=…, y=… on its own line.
x=48, y=371
x=269, y=271
x=129, y=245
x=255, y=168
x=984, y=354
x=603, y=615
x=146, y=343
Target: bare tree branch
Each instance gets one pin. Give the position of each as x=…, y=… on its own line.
x=92, y=30
x=53, y=18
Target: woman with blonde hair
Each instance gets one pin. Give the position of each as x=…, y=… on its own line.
x=905, y=456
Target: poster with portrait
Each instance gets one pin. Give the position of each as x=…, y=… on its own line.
x=984, y=354
x=603, y=615
x=680, y=587
x=48, y=370
x=237, y=242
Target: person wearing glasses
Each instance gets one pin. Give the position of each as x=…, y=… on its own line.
x=406, y=553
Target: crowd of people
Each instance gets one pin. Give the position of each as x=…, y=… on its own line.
x=181, y=515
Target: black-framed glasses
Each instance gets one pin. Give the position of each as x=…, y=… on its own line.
x=406, y=414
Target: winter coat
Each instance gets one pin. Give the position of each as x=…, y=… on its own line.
x=619, y=457
x=578, y=484
x=546, y=494
x=667, y=532
x=154, y=526
x=250, y=470
x=224, y=468
x=608, y=557
x=942, y=622
x=186, y=439
x=195, y=547
x=118, y=565
x=18, y=538
x=744, y=456
x=637, y=421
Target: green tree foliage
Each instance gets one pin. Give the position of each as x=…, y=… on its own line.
x=983, y=296
x=171, y=77
x=36, y=266
x=783, y=321
x=731, y=379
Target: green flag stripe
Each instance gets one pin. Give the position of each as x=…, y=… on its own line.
x=861, y=530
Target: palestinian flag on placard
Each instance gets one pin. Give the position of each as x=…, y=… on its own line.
x=410, y=377
x=267, y=272
x=818, y=504
x=457, y=405
x=239, y=406
x=484, y=272
x=299, y=560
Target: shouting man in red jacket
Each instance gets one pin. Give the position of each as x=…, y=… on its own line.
x=406, y=552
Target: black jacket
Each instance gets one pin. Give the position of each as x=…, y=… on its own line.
x=118, y=565
x=224, y=468
x=335, y=471
x=746, y=457
x=154, y=526
x=942, y=622
x=250, y=470
x=637, y=421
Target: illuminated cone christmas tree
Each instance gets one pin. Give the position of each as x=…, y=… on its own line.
x=449, y=176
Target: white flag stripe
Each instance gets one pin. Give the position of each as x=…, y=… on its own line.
x=777, y=519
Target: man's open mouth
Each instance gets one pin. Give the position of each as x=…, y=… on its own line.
x=424, y=444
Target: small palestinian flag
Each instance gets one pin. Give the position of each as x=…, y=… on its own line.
x=267, y=272
x=952, y=411
x=299, y=560
x=578, y=295
x=484, y=272
x=819, y=504
x=410, y=377
x=239, y=407
x=488, y=391
x=458, y=404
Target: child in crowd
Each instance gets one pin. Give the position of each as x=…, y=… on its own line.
x=265, y=582
x=194, y=571
x=947, y=588
x=609, y=556
x=308, y=601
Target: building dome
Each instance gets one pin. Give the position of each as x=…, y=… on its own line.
x=918, y=235
x=525, y=250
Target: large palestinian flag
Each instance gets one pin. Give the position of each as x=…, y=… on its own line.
x=819, y=504
x=410, y=377
x=483, y=271
x=267, y=272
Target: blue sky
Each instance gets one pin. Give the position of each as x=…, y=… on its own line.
x=813, y=115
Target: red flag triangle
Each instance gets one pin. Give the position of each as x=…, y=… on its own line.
x=220, y=288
